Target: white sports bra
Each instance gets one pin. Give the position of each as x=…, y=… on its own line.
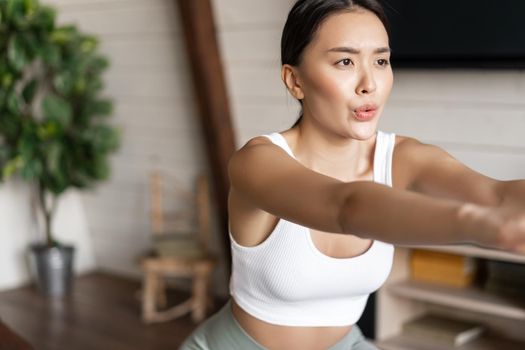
x=287, y=281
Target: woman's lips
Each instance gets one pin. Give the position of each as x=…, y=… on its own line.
x=365, y=113
x=365, y=116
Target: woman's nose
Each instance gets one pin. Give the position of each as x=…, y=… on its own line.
x=367, y=83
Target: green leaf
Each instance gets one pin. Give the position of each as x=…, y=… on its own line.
x=28, y=93
x=101, y=108
x=48, y=130
x=63, y=34
x=7, y=80
x=9, y=126
x=51, y=55
x=97, y=64
x=113, y=140
x=80, y=85
x=101, y=169
x=63, y=83
x=57, y=185
x=103, y=138
x=16, y=53
x=11, y=167
x=15, y=8
x=30, y=43
x=94, y=86
x=53, y=157
x=88, y=44
x=26, y=144
x=32, y=169
x=13, y=103
x=30, y=7
x=58, y=109
x=5, y=152
x=45, y=18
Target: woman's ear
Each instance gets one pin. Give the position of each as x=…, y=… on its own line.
x=290, y=78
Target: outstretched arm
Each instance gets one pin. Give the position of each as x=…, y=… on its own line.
x=489, y=212
x=446, y=202
x=513, y=193
x=403, y=217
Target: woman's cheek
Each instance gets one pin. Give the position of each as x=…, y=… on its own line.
x=335, y=88
x=387, y=81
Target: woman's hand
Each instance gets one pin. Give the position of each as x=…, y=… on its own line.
x=500, y=227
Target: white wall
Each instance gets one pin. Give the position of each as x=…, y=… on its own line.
x=478, y=116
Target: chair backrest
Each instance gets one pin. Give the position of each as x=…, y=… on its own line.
x=177, y=210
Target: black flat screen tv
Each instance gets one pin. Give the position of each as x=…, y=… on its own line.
x=457, y=33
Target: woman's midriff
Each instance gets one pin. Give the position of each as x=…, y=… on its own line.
x=277, y=337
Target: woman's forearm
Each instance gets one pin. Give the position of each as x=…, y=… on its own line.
x=402, y=217
x=512, y=193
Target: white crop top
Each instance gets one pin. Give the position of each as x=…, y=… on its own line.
x=287, y=281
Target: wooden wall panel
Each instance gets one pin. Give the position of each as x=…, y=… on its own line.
x=212, y=99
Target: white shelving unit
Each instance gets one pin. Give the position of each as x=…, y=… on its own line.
x=401, y=300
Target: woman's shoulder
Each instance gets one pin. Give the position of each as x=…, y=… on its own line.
x=409, y=157
x=263, y=139
x=256, y=145
x=399, y=139
x=410, y=146
x=409, y=150
x=258, y=140
x=252, y=159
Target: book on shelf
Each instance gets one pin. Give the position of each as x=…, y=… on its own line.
x=442, y=268
x=443, y=330
x=505, y=278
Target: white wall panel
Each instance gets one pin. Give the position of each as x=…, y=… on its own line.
x=125, y=19
x=242, y=14
x=450, y=123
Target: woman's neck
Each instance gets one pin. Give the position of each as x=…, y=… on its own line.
x=331, y=154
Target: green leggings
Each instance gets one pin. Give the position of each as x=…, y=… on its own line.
x=222, y=332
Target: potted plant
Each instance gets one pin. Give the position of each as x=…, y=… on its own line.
x=54, y=127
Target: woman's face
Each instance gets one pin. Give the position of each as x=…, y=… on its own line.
x=345, y=74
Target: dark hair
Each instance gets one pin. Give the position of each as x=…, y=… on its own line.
x=304, y=20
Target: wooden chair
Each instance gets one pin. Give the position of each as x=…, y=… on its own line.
x=178, y=250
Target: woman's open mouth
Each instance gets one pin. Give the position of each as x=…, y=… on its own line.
x=365, y=113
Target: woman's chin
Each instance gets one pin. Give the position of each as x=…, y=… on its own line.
x=363, y=131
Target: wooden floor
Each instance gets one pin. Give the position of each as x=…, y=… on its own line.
x=101, y=313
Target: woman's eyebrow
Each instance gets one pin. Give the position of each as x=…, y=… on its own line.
x=356, y=51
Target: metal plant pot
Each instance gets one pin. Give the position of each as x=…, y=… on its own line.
x=53, y=269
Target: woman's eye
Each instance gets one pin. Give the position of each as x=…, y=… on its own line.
x=383, y=62
x=345, y=62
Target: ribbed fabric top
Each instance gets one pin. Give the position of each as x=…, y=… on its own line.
x=287, y=281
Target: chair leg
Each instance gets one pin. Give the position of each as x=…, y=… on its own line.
x=149, y=297
x=161, y=300
x=200, y=289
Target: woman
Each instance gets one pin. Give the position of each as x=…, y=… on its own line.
x=315, y=210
